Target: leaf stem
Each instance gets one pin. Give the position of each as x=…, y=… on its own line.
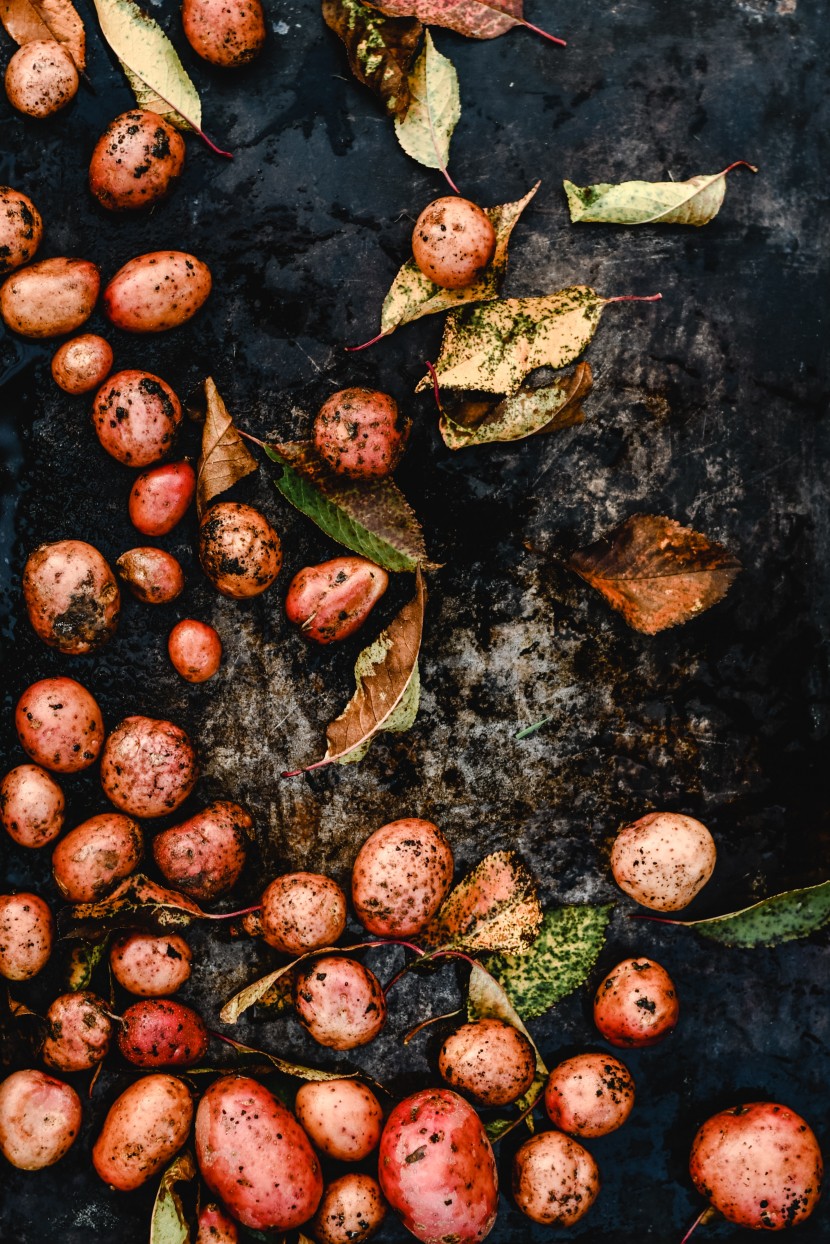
x=365, y=345
x=753, y=168
x=435, y=386
x=230, y=915
x=636, y=915
x=425, y=1023
x=633, y=298
x=706, y=1215
x=537, y=30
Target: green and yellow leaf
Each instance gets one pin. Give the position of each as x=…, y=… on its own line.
x=692, y=202
x=530, y=412
x=494, y=908
x=781, y=918
x=168, y=1224
x=426, y=130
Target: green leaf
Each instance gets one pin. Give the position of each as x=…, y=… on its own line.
x=528, y=730
x=381, y=50
x=168, y=1224
x=425, y=132
x=487, y=1000
x=780, y=918
x=557, y=963
x=529, y=412
x=83, y=960
x=495, y=907
x=692, y=202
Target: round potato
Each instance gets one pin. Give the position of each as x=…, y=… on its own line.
x=96, y=855
x=82, y=364
x=343, y=1118
x=589, y=1095
x=162, y=1033
x=195, y=650
x=149, y=964
x=148, y=767
x=21, y=229
x=339, y=1002
x=152, y=575
x=331, y=601
x=50, y=297
x=228, y=33
x=636, y=1004
x=453, y=242
x=204, y=856
x=78, y=1034
x=215, y=1227
x=136, y=416
x=59, y=725
x=145, y=1127
x=361, y=433
x=401, y=877
x=155, y=292
x=40, y=1118
x=351, y=1211
x=71, y=596
x=302, y=912
x=663, y=860
x=136, y=161
x=27, y=932
x=41, y=78
x=31, y=806
x=160, y=498
x=555, y=1180
x=490, y=1060
x=239, y=550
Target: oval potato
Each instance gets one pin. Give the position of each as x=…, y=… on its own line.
x=50, y=297
x=302, y=912
x=239, y=550
x=27, y=932
x=343, y=1118
x=204, y=856
x=59, y=725
x=82, y=364
x=31, y=806
x=41, y=78
x=136, y=161
x=339, y=1001
x=78, y=1032
x=351, y=1211
x=152, y=575
x=157, y=291
x=160, y=498
x=663, y=860
x=136, y=416
x=95, y=855
x=71, y=596
x=148, y=767
x=555, y=1180
x=401, y=877
x=21, y=229
x=227, y=33
x=490, y=1060
x=145, y=1127
x=162, y=1033
x=149, y=964
x=40, y=1117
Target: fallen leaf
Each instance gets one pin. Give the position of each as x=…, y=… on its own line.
x=477, y=19
x=29, y=20
x=286, y=1066
x=655, y=572
x=487, y=1000
x=381, y=50
x=168, y=1224
x=530, y=412
x=83, y=960
x=780, y=918
x=225, y=459
x=259, y=989
x=21, y=1033
x=692, y=202
x=138, y=899
x=495, y=907
x=425, y=132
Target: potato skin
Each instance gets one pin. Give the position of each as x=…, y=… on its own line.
x=50, y=297
x=21, y=229
x=401, y=877
x=490, y=1060
x=82, y=364
x=71, y=596
x=351, y=1211
x=339, y=1002
x=151, y=965
x=215, y=1227
x=78, y=1032
x=59, y=725
x=433, y=1150
x=302, y=912
x=145, y=1127
x=589, y=1095
x=663, y=860
x=32, y=806
x=152, y=575
x=40, y=1117
x=331, y=601
x=41, y=78
x=195, y=650
x=453, y=242
x=204, y=856
x=162, y=1033
x=244, y=1135
x=228, y=33
x=239, y=550
x=158, y=291
x=27, y=932
x=342, y=1118
x=636, y=1005
x=136, y=417
x=160, y=497
x=361, y=433
x=136, y=161
x=555, y=1180
x=96, y=855
x=148, y=767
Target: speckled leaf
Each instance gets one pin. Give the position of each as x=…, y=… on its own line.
x=381, y=50
x=478, y=19
x=83, y=960
x=28, y=20
x=287, y=1066
x=692, y=202
x=138, y=899
x=656, y=573
x=487, y=1000
x=168, y=1224
x=495, y=907
x=781, y=918
x=557, y=963
x=530, y=412
x=258, y=989
x=224, y=459
x=425, y=132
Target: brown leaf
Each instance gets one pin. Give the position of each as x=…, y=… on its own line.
x=495, y=907
x=381, y=49
x=225, y=459
x=138, y=900
x=28, y=20
x=530, y=412
x=657, y=573
x=478, y=19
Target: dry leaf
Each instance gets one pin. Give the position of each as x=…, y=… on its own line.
x=530, y=412
x=286, y=1066
x=225, y=459
x=259, y=989
x=495, y=908
x=136, y=900
x=381, y=49
x=478, y=19
x=425, y=132
x=657, y=573
x=692, y=202
x=487, y=1000
x=28, y=20
x=168, y=1224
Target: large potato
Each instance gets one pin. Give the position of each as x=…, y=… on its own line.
x=59, y=725
x=145, y=1127
x=148, y=767
x=663, y=860
x=331, y=601
x=82, y=364
x=78, y=1032
x=204, y=856
x=239, y=550
x=351, y=1211
x=589, y=1095
x=361, y=433
x=160, y=498
x=149, y=964
x=41, y=78
x=302, y=912
x=436, y=1168
x=71, y=596
x=339, y=1001
x=490, y=1060
x=21, y=229
x=96, y=855
x=158, y=291
x=136, y=416
x=401, y=877
x=27, y=932
x=555, y=1180
x=152, y=575
x=31, y=806
x=343, y=1118
x=136, y=161
x=39, y=1119
x=228, y=33
x=636, y=1004
x=162, y=1033
x=243, y=1137
x=50, y=297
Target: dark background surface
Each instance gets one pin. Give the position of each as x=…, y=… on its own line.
x=708, y=406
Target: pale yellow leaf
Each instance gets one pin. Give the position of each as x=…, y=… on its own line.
x=434, y=109
x=692, y=202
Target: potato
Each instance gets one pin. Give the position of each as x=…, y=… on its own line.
x=95, y=855
x=204, y=856
x=555, y=1180
x=50, y=297
x=148, y=767
x=152, y=575
x=401, y=877
x=361, y=433
x=302, y=912
x=436, y=1168
x=160, y=497
x=243, y=1136
x=144, y=1128
x=589, y=1095
x=229, y=33
x=136, y=417
x=21, y=229
x=82, y=363
x=136, y=161
x=636, y=1004
x=31, y=806
x=78, y=1032
x=27, y=932
x=663, y=860
x=490, y=1060
x=339, y=1002
x=71, y=596
x=351, y=1211
x=41, y=78
x=343, y=1118
x=155, y=292
x=239, y=550
x=151, y=965
x=59, y=725
x=453, y=242
x=331, y=601
x=215, y=1227
x=162, y=1033
x=195, y=650
x=40, y=1118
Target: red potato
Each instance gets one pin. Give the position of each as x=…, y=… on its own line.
x=162, y=1033
x=40, y=1117
x=78, y=1034
x=160, y=498
x=228, y=33
x=302, y=912
x=490, y=1060
x=351, y=1211
x=158, y=291
x=148, y=767
x=71, y=596
x=361, y=433
x=244, y=1135
x=239, y=550
x=27, y=932
x=151, y=965
x=215, y=1227
x=401, y=877
x=82, y=364
x=152, y=575
x=41, y=78
x=636, y=1005
x=136, y=161
x=589, y=1095
x=343, y=1118
x=96, y=855
x=331, y=601
x=204, y=856
x=144, y=1128
x=436, y=1169
x=136, y=417
x=453, y=242
x=59, y=725
x=663, y=860
x=339, y=1002
x=555, y=1180
x=31, y=806
x=195, y=650
x=50, y=297
x=21, y=229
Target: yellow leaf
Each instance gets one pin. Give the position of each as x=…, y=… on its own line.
x=692, y=202
x=434, y=109
x=27, y=20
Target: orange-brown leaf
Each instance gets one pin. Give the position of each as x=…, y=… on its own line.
x=478, y=19
x=27, y=20
x=225, y=459
x=495, y=908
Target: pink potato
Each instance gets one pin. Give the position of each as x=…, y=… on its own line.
x=136, y=416
x=96, y=855
x=436, y=1168
x=152, y=575
x=145, y=1127
x=149, y=964
x=40, y=1117
x=361, y=433
x=401, y=877
x=331, y=601
x=21, y=229
x=78, y=1032
x=636, y=1005
x=228, y=33
x=555, y=1180
x=27, y=932
x=589, y=1095
x=351, y=1211
x=158, y=291
x=51, y=297
x=490, y=1060
x=204, y=856
x=148, y=767
x=244, y=1135
x=453, y=242
x=160, y=497
x=663, y=860
x=339, y=1002
x=343, y=1118
x=82, y=364
x=41, y=78
x=239, y=550
x=31, y=806
x=302, y=912
x=215, y=1227
x=195, y=650
x=136, y=161
x=60, y=725
x=71, y=596
x=162, y=1033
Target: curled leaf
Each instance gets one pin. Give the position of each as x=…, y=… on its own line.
x=477, y=19
x=83, y=960
x=381, y=50
x=780, y=918
x=168, y=1224
x=21, y=1033
x=495, y=907
x=138, y=900
x=287, y=1067
x=28, y=20
x=692, y=202
x=529, y=412
x=225, y=459
x=487, y=1000
x=656, y=573
x=259, y=989
x=426, y=130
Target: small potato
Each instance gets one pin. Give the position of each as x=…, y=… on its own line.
x=136, y=416
x=148, y=767
x=136, y=161
x=82, y=364
x=339, y=1002
x=161, y=497
x=96, y=855
x=215, y=1227
x=195, y=650
x=228, y=33
x=151, y=965
x=636, y=1004
x=663, y=860
x=302, y=912
x=27, y=932
x=40, y=1118
x=203, y=857
x=50, y=297
x=343, y=1118
x=401, y=877
x=152, y=575
x=158, y=291
x=589, y=1095
x=453, y=242
x=79, y=1031
x=71, y=596
x=31, y=806
x=239, y=550
x=331, y=601
x=555, y=1180
x=145, y=1127
x=162, y=1033
x=490, y=1060
x=21, y=229
x=41, y=78
x=59, y=725
x=351, y=1211
x=361, y=433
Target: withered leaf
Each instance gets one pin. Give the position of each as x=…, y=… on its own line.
x=530, y=412
x=381, y=49
x=477, y=19
x=487, y=1000
x=289, y=1068
x=692, y=202
x=169, y=1224
x=29, y=20
x=657, y=573
x=83, y=960
x=225, y=458
x=495, y=908
x=21, y=1033
x=426, y=131
x=138, y=900
x=259, y=989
